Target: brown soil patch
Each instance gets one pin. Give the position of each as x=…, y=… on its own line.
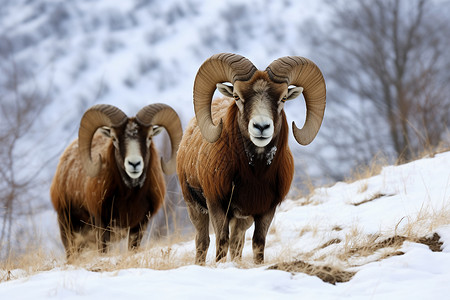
x=325, y=273
x=333, y=275
x=397, y=241
x=433, y=242
x=374, y=197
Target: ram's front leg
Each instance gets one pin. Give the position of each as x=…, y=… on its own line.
x=220, y=223
x=103, y=234
x=262, y=223
x=136, y=234
x=237, y=240
x=67, y=234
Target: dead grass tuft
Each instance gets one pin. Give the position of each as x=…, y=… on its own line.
x=30, y=262
x=330, y=242
x=332, y=274
x=158, y=256
x=368, y=170
x=394, y=242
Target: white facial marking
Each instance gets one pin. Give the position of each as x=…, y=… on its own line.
x=134, y=164
x=261, y=130
x=260, y=127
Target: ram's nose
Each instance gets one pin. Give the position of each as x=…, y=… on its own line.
x=134, y=166
x=261, y=130
x=261, y=127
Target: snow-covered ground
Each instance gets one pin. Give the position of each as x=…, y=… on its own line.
x=372, y=232
x=376, y=235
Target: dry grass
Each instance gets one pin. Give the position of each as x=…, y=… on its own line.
x=156, y=258
x=367, y=171
x=348, y=249
x=335, y=260
x=361, y=248
x=159, y=255
x=339, y=266
x=30, y=262
x=362, y=172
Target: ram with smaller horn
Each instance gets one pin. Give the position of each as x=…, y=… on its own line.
x=237, y=172
x=112, y=177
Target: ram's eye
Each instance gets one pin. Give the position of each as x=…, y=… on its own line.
x=284, y=99
x=236, y=97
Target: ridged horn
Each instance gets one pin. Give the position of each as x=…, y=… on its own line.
x=163, y=115
x=300, y=71
x=223, y=67
x=94, y=118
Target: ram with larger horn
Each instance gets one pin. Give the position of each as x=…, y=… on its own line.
x=234, y=163
x=113, y=178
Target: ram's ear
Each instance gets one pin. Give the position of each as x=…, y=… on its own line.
x=294, y=92
x=106, y=131
x=157, y=130
x=226, y=90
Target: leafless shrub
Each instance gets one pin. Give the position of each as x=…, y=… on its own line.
x=386, y=64
x=21, y=103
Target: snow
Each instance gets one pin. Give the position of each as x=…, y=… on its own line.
x=84, y=58
x=412, y=200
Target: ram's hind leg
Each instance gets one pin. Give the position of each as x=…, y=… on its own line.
x=262, y=223
x=200, y=220
x=238, y=228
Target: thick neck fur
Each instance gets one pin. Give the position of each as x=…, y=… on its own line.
x=129, y=205
x=258, y=185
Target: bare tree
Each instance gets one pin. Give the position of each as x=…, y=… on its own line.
x=386, y=64
x=20, y=105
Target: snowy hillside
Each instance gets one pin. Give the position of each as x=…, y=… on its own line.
x=383, y=237
x=132, y=53
x=70, y=55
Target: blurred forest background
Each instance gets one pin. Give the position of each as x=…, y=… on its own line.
x=386, y=64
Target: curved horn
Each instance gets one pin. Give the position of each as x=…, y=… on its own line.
x=95, y=117
x=299, y=71
x=216, y=69
x=163, y=115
